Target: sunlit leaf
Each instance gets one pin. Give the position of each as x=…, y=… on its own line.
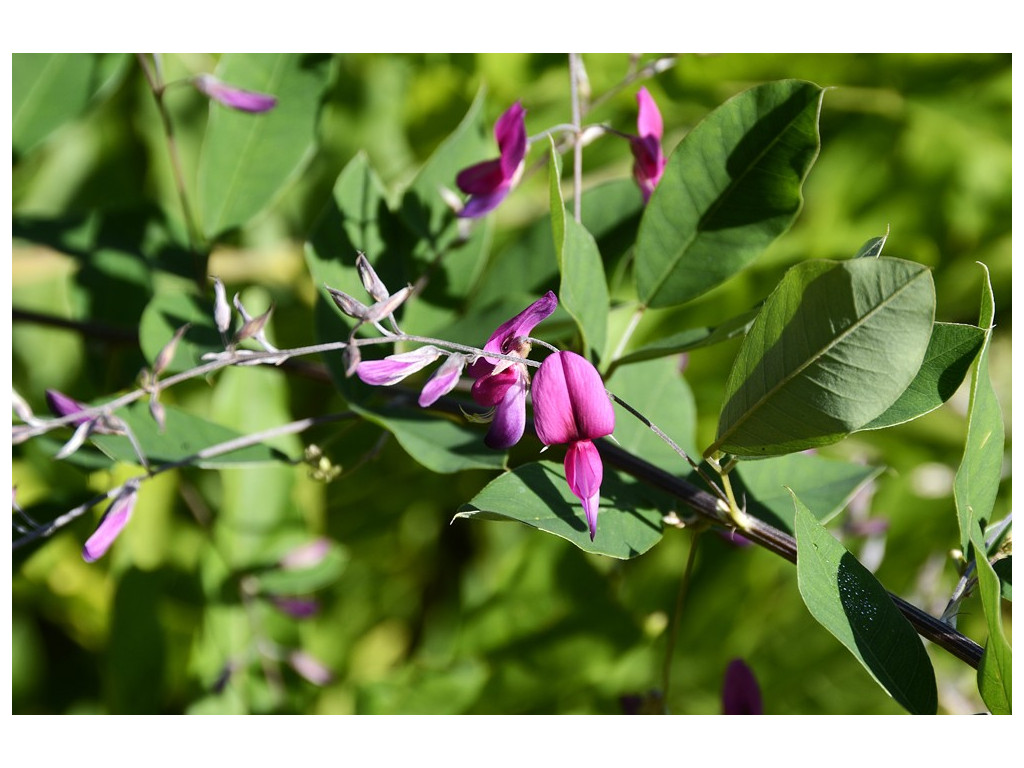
x=729, y=189
x=247, y=159
x=833, y=347
x=848, y=601
x=951, y=351
x=537, y=495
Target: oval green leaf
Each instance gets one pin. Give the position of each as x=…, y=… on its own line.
x=537, y=495
x=834, y=346
x=849, y=602
x=246, y=158
x=729, y=189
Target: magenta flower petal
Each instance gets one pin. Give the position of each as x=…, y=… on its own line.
x=509, y=417
x=489, y=182
x=510, y=133
x=235, y=98
x=504, y=338
x=569, y=400
x=62, y=405
x=740, y=693
x=394, y=368
x=584, y=472
x=114, y=520
x=482, y=178
x=489, y=391
x=648, y=119
x=649, y=162
x=443, y=381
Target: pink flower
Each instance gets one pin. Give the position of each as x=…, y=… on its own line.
x=235, y=98
x=394, y=368
x=114, y=520
x=489, y=182
x=649, y=161
x=740, y=692
x=570, y=405
x=502, y=384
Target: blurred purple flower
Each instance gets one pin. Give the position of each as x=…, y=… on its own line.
x=740, y=692
x=235, y=98
x=502, y=384
x=297, y=607
x=306, y=555
x=114, y=520
x=489, y=182
x=570, y=405
x=649, y=162
x=310, y=668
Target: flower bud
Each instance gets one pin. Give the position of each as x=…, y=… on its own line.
x=114, y=520
x=371, y=282
x=235, y=98
x=348, y=305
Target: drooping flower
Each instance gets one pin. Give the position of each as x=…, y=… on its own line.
x=489, y=182
x=112, y=523
x=393, y=368
x=649, y=162
x=235, y=98
x=570, y=405
x=740, y=692
x=502, y=384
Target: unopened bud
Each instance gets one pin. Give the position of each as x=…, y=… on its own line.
x=221, y=308
x=167, y=353
x=382, y=309
x=252, y=326
x=82, y=432
x=22, y=408
x=352, y=357
x=156, y=410
x=114, y=520
x=371, y=282
x=348, y=305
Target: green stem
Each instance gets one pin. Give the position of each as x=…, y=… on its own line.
x=677, y=612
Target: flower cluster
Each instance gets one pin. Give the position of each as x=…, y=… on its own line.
x=488, y=183
x=569, y=400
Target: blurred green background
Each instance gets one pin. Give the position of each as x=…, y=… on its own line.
x=418, y=614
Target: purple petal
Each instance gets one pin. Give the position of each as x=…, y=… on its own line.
x=305, y=556
x=740, y=692
x=510, y=132
x=519, y=326
x=62, y=405
x=489, y=391
x=394, y=368
x=114, y=520
x=584, y=472
x=648, y=119
x=298, y=607
x=478, y=205
x=235, y=98
x=649, y=164
x=310, y=668
x=443, y=381
x=482, y=178
x=569, y=400
x=509, y=418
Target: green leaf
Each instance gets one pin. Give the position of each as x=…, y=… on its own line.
x=729, y=189
x=995, y=673
x=537, y=495
x=184, y=436
x=1004, y=570
x=168, y=312
x=872, y=249
x=302, y=581
x=977, y=479
x=951, y=351
x=692, y=338
x=826, y=484
x=50, y=89
x=583, y=290
x=247, y=159
x=657, y=390
x=438, y=444
x=848, y=601
x=833, y=347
